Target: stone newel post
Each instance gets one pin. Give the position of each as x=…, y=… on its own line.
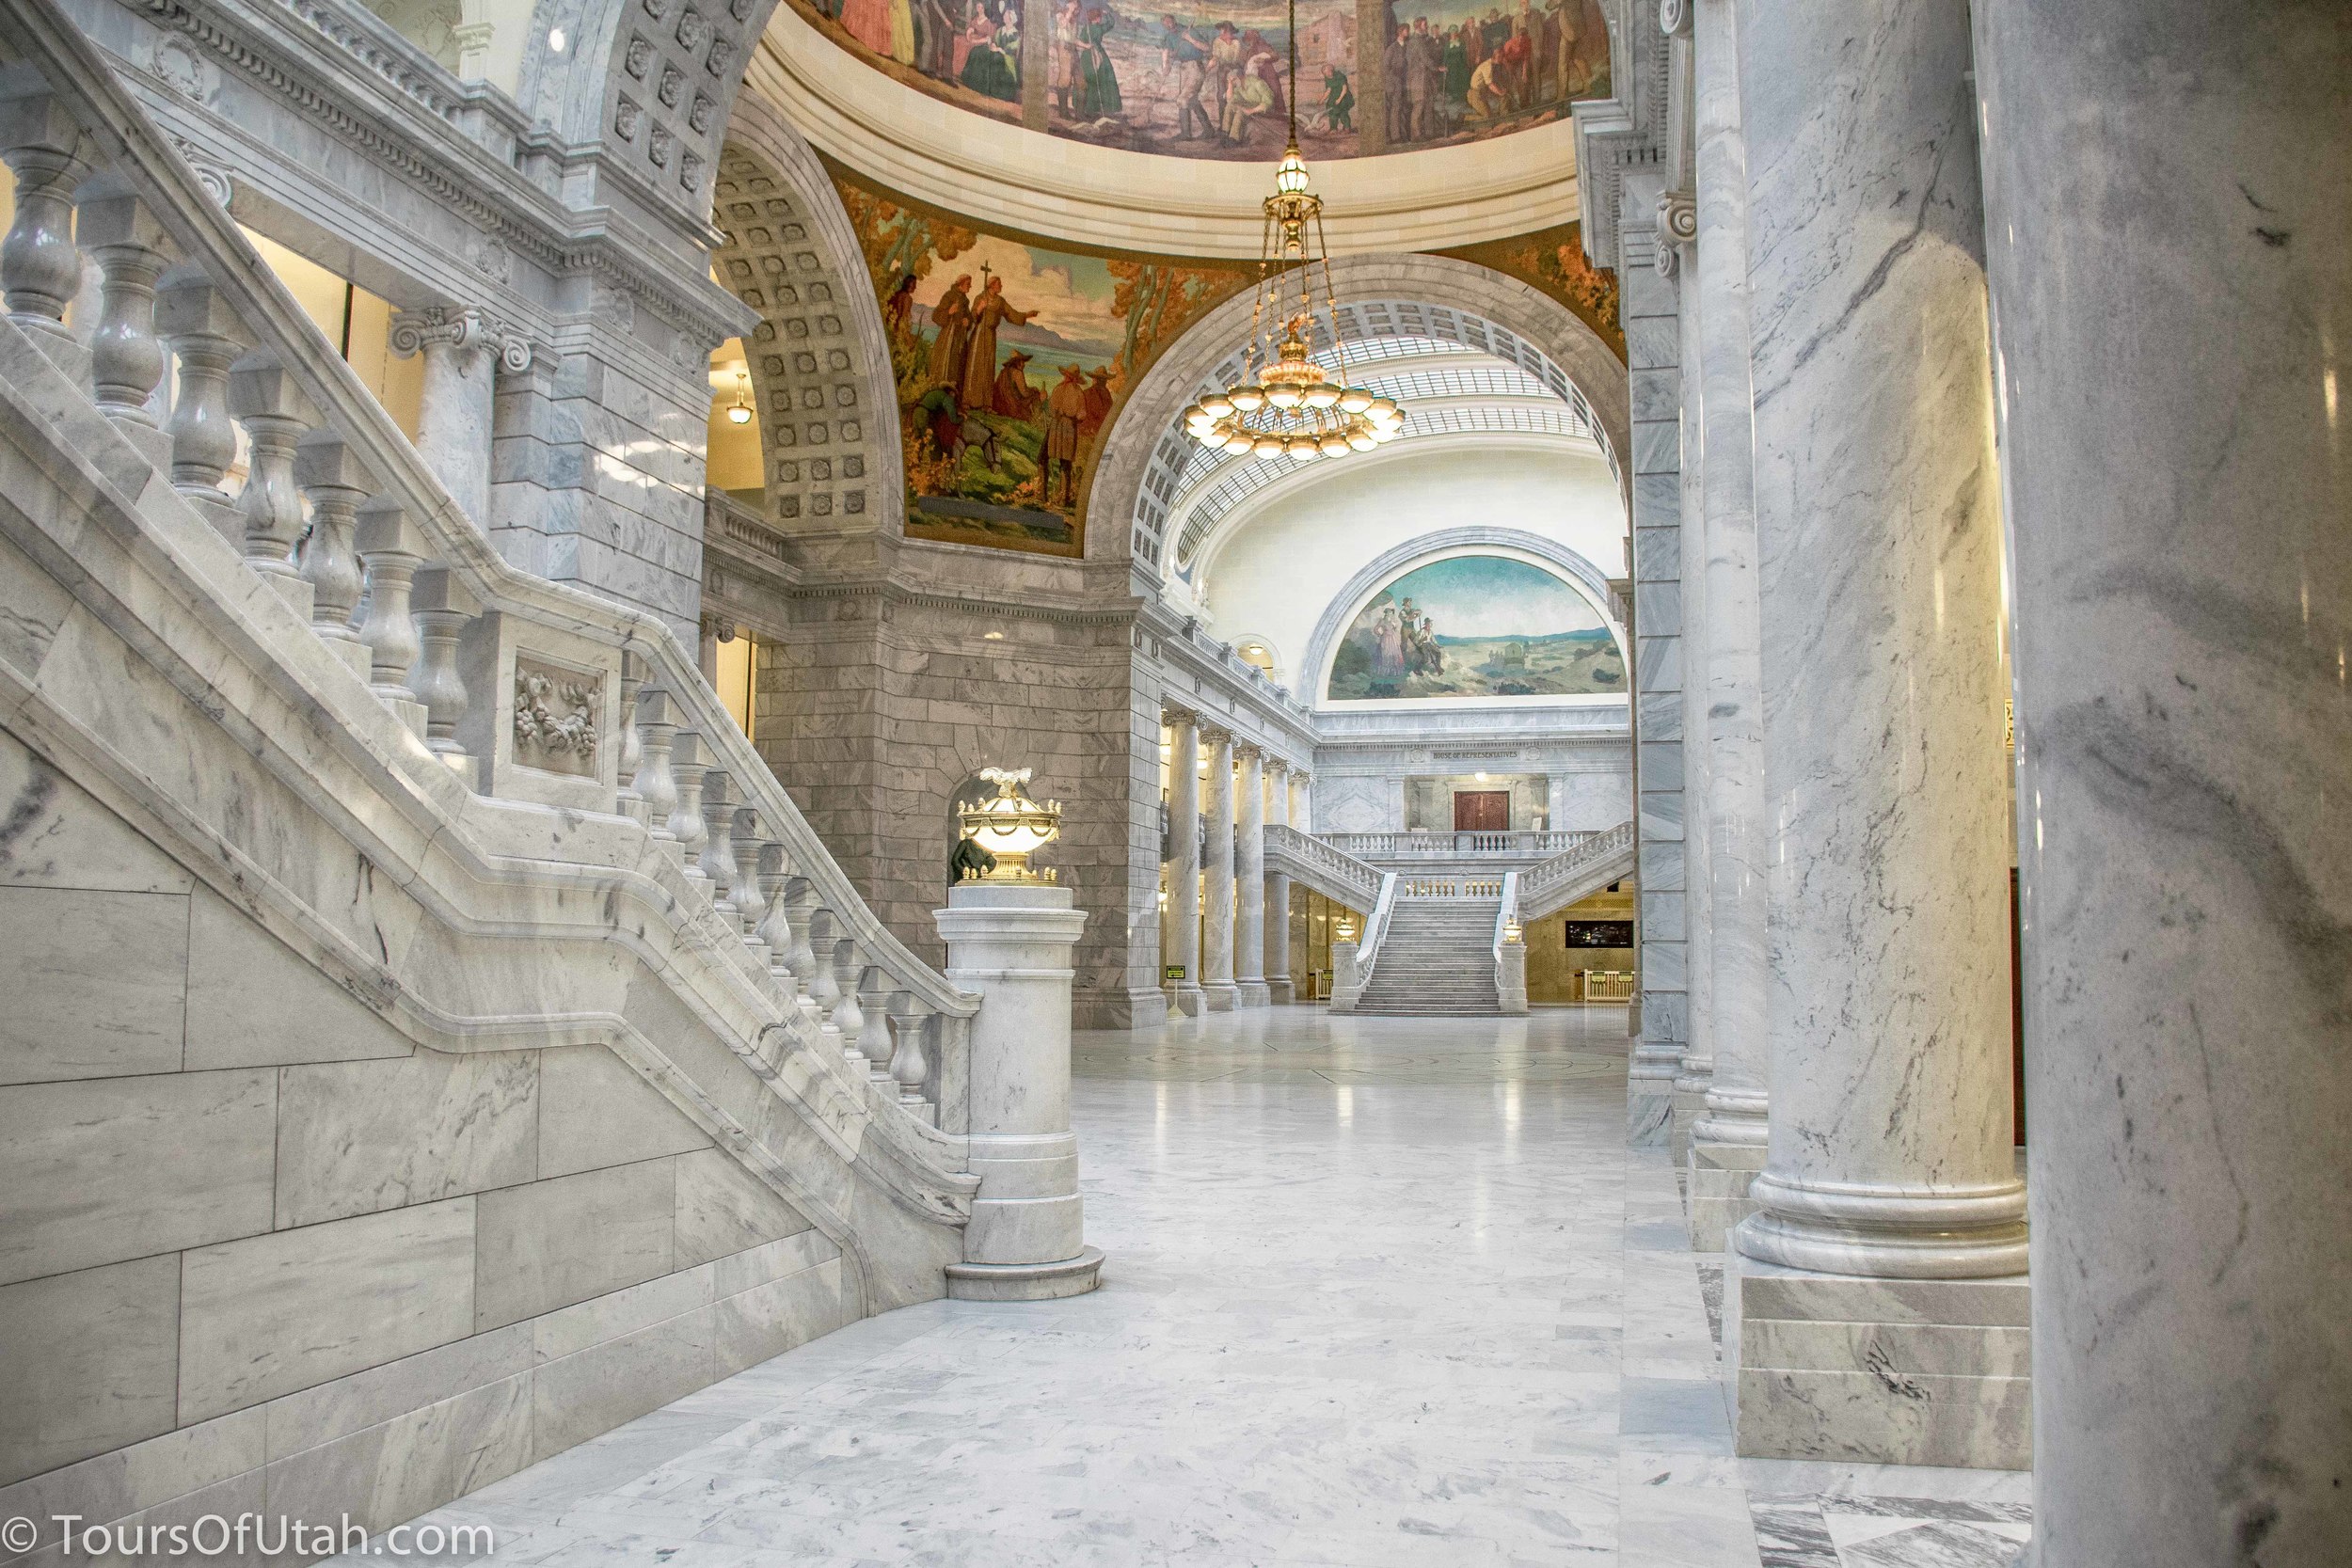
x=1010, y=941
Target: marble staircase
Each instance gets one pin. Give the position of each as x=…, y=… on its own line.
x=1437, y=960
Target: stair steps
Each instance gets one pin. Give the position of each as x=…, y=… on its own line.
x=1437, y=961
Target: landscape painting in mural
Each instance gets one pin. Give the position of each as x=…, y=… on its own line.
x=1011, y=361
x=1476, y=626
x=1207, y=79
x=967, y=52
x=1457, y=70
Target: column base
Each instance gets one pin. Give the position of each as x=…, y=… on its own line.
x=1878, y=1372
x=1720, y=1175
x=1218, y=996
x=1690, y=1104
x=1072, y=1277
x=1189, y=1002
x=1279, y=991
x=1649, y=1108
x=1253, y=993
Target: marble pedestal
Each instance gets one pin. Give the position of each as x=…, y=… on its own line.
x=1252, y=993
x=1878, y=1372
x=1648, y=1107
x=1510, y=982
x=1718, y=1176
x=1010, y=941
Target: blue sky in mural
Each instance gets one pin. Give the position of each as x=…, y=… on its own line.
x=1471, y=626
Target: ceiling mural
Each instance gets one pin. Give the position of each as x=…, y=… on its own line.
x=1011, y=359
x=1553, y=260
x=1210, y=78
x=1476, y=626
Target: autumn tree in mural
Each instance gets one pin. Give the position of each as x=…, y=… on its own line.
x=1011, y=359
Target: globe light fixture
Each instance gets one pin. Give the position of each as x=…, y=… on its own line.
x=1284, y=403
x=1012, y=827
x=739, y=411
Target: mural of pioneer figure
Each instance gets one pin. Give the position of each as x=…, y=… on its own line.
x=1475, y=626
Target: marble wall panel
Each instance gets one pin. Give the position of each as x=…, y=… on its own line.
x=104, y=1169
x=315, y=1416
x=271, y=1314
x=579, y=1396
x=128, y=1480
x=535, y=1251
x=359, y=1136
x=723, y=1209
x=92, y=1363
x=76, y=1007
x=596, y=1109
x=253, y=1001
x=390, y=1472
x=766, y=1321
x=54, y=834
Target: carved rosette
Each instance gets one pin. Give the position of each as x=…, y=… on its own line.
x=555, y=717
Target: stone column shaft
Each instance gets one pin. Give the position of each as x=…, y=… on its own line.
x=1697, y=1066
x=1183, y=859
x=1250, y=879
x=1216, y=874
x=464, y=350
x=1890, y=1155
x=1728, y=1139
x=1281, y=989
x=2168, y=206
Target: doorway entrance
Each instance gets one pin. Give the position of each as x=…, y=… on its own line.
x=1482, y=811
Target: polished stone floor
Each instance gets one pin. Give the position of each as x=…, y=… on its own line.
x=1380, y=1291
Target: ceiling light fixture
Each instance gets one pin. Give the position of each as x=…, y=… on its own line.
x=1285, y=404
x=739, y=411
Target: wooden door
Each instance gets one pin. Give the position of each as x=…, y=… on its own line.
x=1482, y=811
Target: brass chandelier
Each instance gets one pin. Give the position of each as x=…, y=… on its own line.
x=1285, y=404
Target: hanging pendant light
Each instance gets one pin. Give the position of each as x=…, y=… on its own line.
x=1285, y=404
x=739, y=411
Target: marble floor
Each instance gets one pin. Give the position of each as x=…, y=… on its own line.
x=1381, y=1292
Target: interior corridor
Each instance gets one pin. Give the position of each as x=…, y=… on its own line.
x=1380, y=1291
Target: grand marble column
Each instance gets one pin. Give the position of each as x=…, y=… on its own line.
x=1249, y=879
x=1183, y=858
x=1727, y=1142
x=1696, y=1071
x=1217, y=873
x=2169, y=196
x=1889, y=1206
x=465, y=351
x=1302, y=806
x=1280, y=991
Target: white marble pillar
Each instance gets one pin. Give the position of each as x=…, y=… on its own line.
x=465, y=351
x=1010, y=941
x=1183, y=859
x=1249, y=983
x=1889, y=1204
x=1696, y=1069
x=1280, y=989
x=1727, y=1142
x=2169, y=201
x=1302, y=804
x=1217, y=873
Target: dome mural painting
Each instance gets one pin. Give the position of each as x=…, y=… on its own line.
x=1476, y=626
x=1206, y=78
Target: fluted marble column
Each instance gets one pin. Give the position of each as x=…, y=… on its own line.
x=1217, y=873
x=1889, y=1198
x=1281, y=989
x=1727, y=1141
x=1696, y=1069
x=2168, y=193
x=1249, y=879
x=1183, y=858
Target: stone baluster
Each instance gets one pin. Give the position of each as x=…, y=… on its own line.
x=391, y=553
x=263, y=398
x=630, y=801
x=776, y=926
x=686, y=818
x=441, y=610
x=41, y=271
x=717, y=852
x=656, y=787
x=873, y=1003
x=751, y=905
x=908, y=1068
x=206, y=339
x=126, y=358
x=812, y=960
x=331, y=478
x=849, y=1014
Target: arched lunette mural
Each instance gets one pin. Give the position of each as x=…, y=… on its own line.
x=1475, y=626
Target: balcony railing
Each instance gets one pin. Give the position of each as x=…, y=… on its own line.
x=1519, y=843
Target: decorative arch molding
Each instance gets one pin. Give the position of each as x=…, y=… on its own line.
x=1323, y=643
x=671, y=73
x=1130, y=486
x=819, y=361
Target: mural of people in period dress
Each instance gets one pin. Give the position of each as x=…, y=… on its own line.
x=965, y=51
x=1208, y=80
x=1009, y=360
x=1476, y=626
x=1463, y=70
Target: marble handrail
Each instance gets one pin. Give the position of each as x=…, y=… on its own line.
x=382, y=523
x=1375, y=929
x=1330, y=871
x=1460, y=843
x=1579, y=872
